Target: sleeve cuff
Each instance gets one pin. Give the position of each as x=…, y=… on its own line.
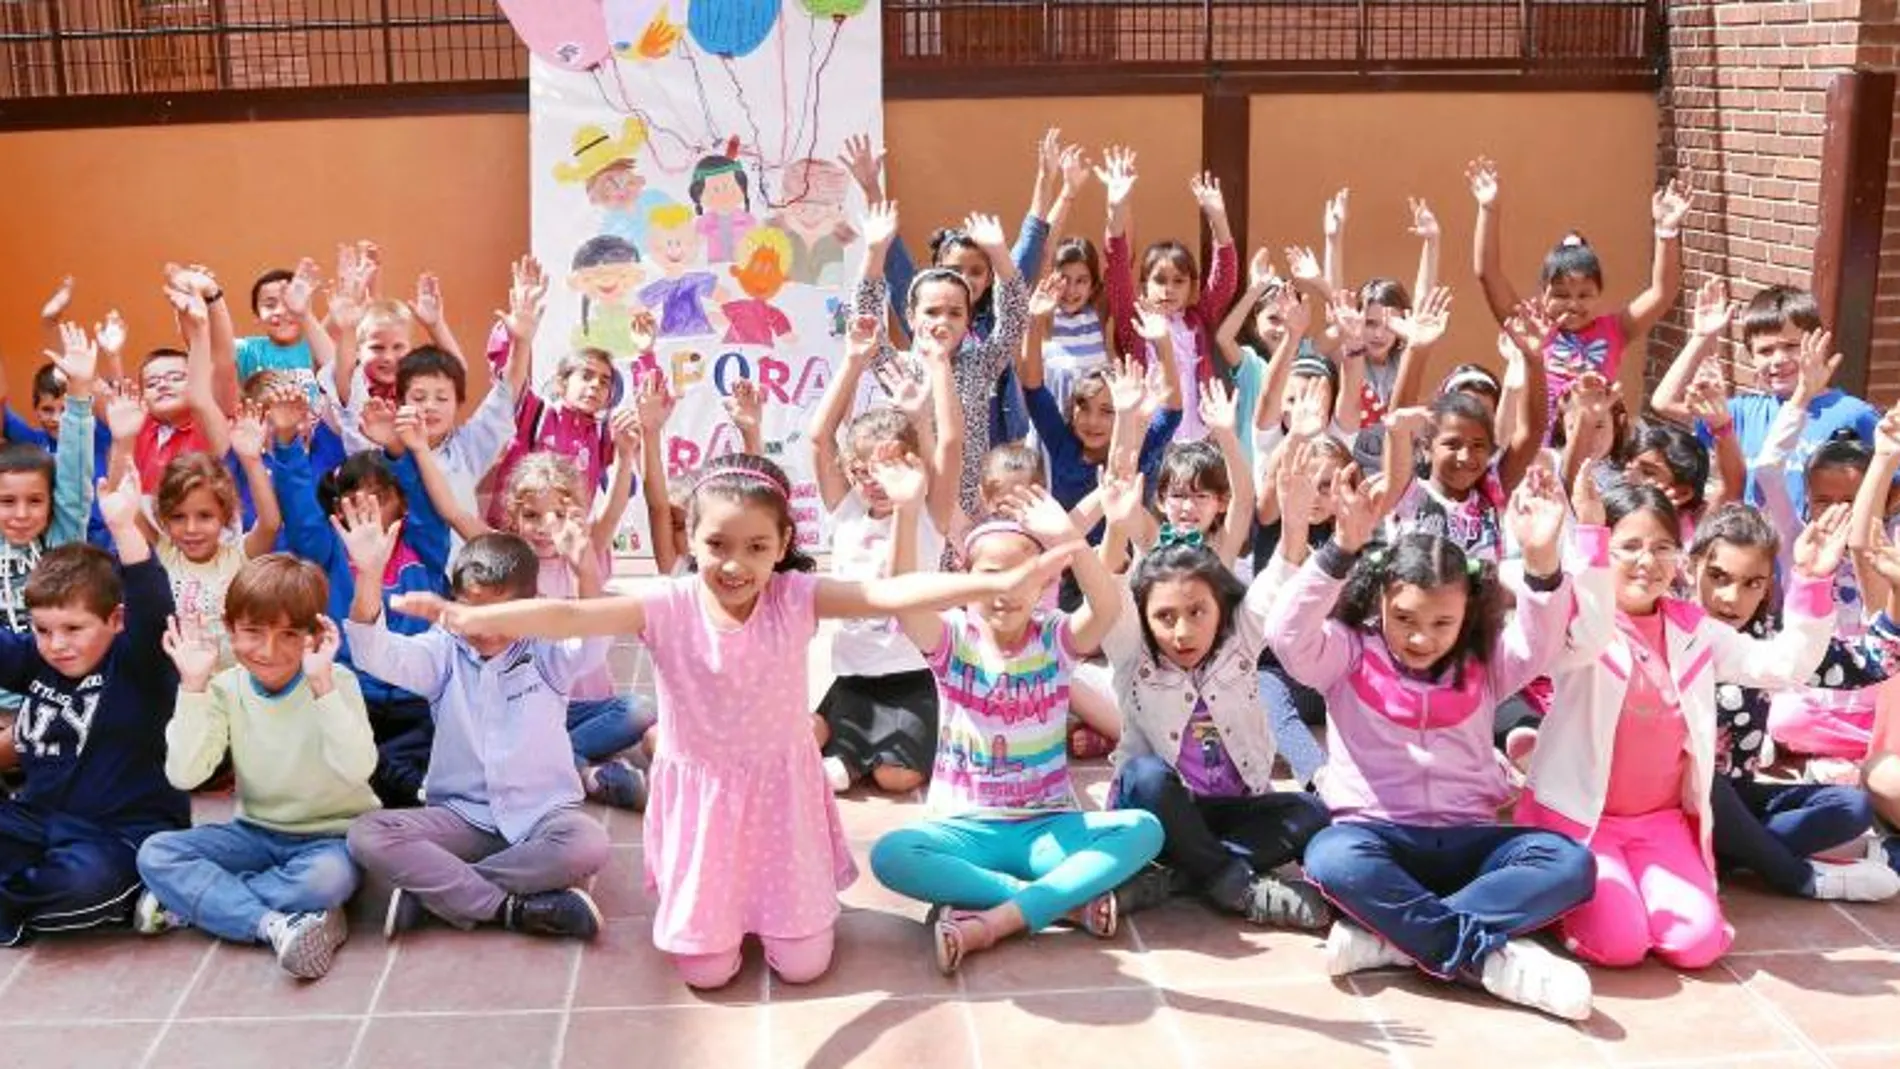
x=1811, y=597
x=1335, y=561
x=1544, y=584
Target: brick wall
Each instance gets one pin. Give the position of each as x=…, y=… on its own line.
x=1743, y=115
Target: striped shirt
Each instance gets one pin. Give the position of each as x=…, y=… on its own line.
x=1075, y=346
x=1002, y=739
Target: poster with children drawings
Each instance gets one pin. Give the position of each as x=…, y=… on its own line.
x=689, y=172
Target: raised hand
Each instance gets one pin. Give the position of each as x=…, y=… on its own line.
x=1536, y=518
x=643, y=330
x=248, y=436
x=910, y=393
x=56, y=304
x=125, y=409
x=1126, y=385
x=1414, y=421
x=1207, y=194
x=301, y=288
x=1293, y=312
x=860, y=338
x=1306, y=416
x=900, y=474
x=377, y=422
x=865, y=165
x=1818, y=362
x=1823, y=542
x=1150, y=321
x=1047, y=296
x=1260, y=272
x=1713, y=309
x=119, y=506
x=1075, y=169
x=1355, y=515
x=1296, y=490
x=1424, y=223
x=745, y=406
x=625, y=425
x=1040, y=514
x=653, y=400
x=1427, y=322
x=1350, y=320
x=78, y=358
x=1217, y=406
x=190, y=308
x=879, y=224
x=1482, y=174
x=1335, y=218
x=192, y=278
x=1121, y=494
x=1670, y=206
x=527, y=296
x=1709, y=403
x=1302, y=264
x=319, y=661
x=570, y=537
x=1049, y=156
x=192, y=650
x=286, y=407
x=987, y=232
x=359, y=525
x=110, y=333
x=428, y=305
x=1585, y=499
x=408, y=429
x=1117, y=174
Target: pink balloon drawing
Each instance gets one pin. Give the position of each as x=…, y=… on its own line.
x=571, y=34
x=731, y=28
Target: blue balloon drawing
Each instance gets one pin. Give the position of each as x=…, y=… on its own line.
x=731, y=28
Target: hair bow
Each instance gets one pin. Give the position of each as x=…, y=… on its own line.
x=1178, y=536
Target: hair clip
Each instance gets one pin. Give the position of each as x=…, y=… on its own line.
x=1473, y=567
x=1375, y=556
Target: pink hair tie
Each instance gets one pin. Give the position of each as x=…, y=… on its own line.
x=749, y=474
x=990, y=527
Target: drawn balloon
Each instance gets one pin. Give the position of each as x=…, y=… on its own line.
x=731, y=28
x=568, y=33
x=836, y=10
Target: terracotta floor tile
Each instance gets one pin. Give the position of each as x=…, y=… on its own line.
x=1771, y=922
x=622, y=969
x=257, y=1045
x=867, y=814
x=465, y=1041
x=441, y=969
x=74, y=1046
x=1880, y=918
x=1109, y=1028
x=868, y=1033
x=1189, y=945
x=1873, y=1058
x=108, y=975
x=1302, y=1024
x=1654, y=1013
x=1059, y=960
x=623, y=826
x=1842, y=999
x=1442, y=1024
x=868, y=893
x=620, y=888
x=1092, y=779
x=243, y=981
x=713, y=1037
x=875, y=954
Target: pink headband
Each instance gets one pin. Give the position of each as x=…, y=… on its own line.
x=990, y=527
x=748, y=474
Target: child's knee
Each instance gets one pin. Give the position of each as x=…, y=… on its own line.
x=584, y=845
x=896, y=779
x=1140, y=834
x=1606, y=935
x=329, y=878
x=1142, y=780
x=372, y=836
x=800, y=961
x=706, y=972
x=1690, y=933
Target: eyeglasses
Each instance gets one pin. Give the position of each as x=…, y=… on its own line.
x=1190, y=497
x=169, y=378
x=1665, y=555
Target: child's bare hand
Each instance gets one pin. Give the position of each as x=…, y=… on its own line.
x=860, y=339
x=527, y=297
x=1207, y=194
x=377, y=422
x=1818, y=362
x=301, y=288
x=1117, y=174
x=408, y=429
x=1260, y=272
x=1424, y=223
x=119, y=506
x=1075, y=169
x=1335, y=217
x=1125, y=384
x=1151, y=322
x=1482, y=174
x=901, y=475
x=653, y=400
x=746, y=405
x=909, y=393
x=110, y=333
x=1121, y=494
x=319, y=660
x=643, y=329
x=1046, y=297
x=879, y=224
x=428, y=305
x=359, y=525
x=987, y=232
x=192, y=650
x=1292, y=483
x=1302, y=264
x=1217, y=404
x=1670, y=206
x=247, y=432
x=570, y=538
x=56, y=304
x=625, y=424
x=78, y=358
x=1040, y=514
x=1713, y=309
x=866, y=167
x=1823, y=543
x=1427, y=323
x=124, y=409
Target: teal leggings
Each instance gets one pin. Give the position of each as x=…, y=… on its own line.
x=1047, y=865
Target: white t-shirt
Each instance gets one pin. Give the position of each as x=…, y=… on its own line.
x=861, y=550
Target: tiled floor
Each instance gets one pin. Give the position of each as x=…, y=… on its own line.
x=1809, y=985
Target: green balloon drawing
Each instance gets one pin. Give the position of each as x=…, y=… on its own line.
x=838, y=10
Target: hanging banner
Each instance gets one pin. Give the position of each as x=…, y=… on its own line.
x=692, y=175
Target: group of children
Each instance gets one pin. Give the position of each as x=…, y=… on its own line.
x=1078, y=503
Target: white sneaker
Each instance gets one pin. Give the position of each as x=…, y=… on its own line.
x=306, y=942
x=1831, y=772
x=1865, y=880
x=1520, y=971
x=837, y=775
x=1351, y=949
x=151, y=918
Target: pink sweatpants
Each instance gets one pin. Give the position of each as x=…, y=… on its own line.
x=1654, y=893
x=1823, y=724
x=796, y=961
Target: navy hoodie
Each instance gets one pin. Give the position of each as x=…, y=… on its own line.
x=95, y=747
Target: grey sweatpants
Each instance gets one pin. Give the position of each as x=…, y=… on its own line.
x=462, y=873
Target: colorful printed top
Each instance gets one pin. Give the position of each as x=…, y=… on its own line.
x=1002, y=736
x=1472, y=524
x=1597, y=347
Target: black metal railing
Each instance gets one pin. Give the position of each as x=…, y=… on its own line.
x=111, y=52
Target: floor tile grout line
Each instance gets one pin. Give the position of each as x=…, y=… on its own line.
x=394, y=947
x=19, y=966
x=567, y=1005
x=969, y=1019
x=164, y=1029
x=1848, y=914
x=1694, y=1062
x=1394, y=1054
x=1157, y=981
x=1776, y=1017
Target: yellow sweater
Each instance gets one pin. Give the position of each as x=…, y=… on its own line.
x=303, y=763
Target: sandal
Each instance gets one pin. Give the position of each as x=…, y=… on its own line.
x=949, y=941
x=1087, y=744
x=1099, y=916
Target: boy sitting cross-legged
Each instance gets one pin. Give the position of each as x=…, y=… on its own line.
x=301, y=747
x=503, y=839
x=98, y=690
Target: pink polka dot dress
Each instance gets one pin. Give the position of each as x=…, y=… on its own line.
x=742, y=833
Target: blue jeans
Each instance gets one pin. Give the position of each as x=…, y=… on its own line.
x=1046, y=865
x=1285, y=701
x=1449, y=896
x=226, y=878
x=601, y=728
x=1208, y=837
x=1771, y=829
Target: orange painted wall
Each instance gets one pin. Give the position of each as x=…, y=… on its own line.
x=1568, y=161
x=450, y=194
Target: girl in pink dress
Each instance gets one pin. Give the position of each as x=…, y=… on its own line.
x=742, y=832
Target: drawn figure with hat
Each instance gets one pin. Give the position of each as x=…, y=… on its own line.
x=605, y=166
x=722, y=198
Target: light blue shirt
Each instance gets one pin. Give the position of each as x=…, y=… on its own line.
x=501, y=758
